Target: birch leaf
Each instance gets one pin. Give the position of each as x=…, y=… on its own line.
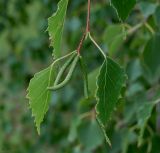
x=144, y=112
x=110, y=81
x=55, y=27
x=123, y=7
x=151, y=54
x=38, y=95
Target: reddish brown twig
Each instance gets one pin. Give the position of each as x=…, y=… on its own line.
x=87, y=27
x=88, y=16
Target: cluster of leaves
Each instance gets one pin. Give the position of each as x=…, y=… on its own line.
x=110, y=79
x=133, y=123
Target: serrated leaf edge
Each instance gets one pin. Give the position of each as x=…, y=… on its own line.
x=97, y=98
x=29, y=98
x=97, y=112
x=60, y=3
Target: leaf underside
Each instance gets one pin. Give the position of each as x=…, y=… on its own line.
x=110, y=81
x=55, y=27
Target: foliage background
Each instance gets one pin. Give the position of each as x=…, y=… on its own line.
x=24, y=50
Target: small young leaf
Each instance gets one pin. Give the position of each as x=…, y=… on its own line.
x=55, y=27
x=38, y=94
x=110, y=81
x=123, y=7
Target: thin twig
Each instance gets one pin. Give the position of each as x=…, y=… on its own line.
x=134, y=29
x=87, y=27
x=88, y=17
x=81, y=43
x=97, y=45
x=149, y=28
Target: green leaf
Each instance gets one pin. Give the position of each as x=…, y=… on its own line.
x=128, y=137
x=90, y=135
x=134, y=70
x=85, y=77
x=157, y=17
x=110, y=81
x=151, y=54
x=113, y=37
x=38, y=94
x=147, y=8
x=123, y=7
x=55, y=27
x=92, y=81
x=144, y=112
x=73, y=129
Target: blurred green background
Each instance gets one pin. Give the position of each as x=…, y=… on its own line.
x=67, y=128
